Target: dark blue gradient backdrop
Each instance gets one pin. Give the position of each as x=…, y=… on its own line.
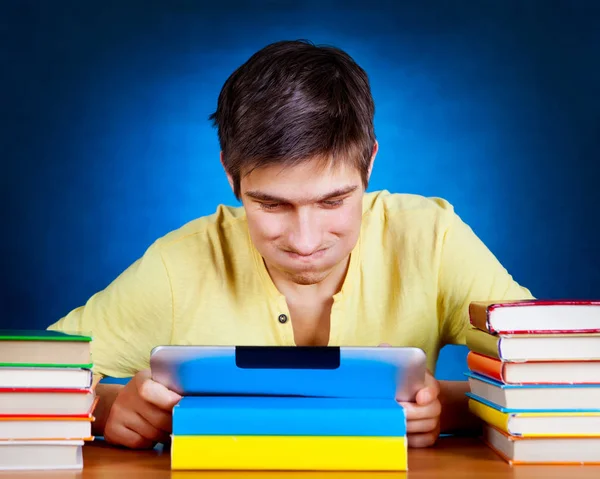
x=105, y=143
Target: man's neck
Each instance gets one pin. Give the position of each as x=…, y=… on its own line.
x=310, y=305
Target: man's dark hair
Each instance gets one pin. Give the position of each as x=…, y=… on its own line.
x=293, y=101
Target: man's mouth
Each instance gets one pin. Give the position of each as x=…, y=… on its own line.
x=306, y=257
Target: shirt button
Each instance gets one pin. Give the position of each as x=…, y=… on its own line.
x=282, y=318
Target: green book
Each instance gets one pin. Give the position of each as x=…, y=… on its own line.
x=41, y=335
x=45, y=348
x=483, y=342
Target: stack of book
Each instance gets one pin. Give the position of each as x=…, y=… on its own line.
x=534, y=374
x=47, y=399
x=291, y=408
x=288, y=433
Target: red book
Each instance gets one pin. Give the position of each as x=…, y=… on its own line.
x=535, y=372
x=31, y=401
x=47, y=427
x=536, y=316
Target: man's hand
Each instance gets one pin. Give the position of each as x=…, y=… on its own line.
x=423, y=417
x=141, y=414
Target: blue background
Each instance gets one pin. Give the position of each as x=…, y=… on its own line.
x=105, y=143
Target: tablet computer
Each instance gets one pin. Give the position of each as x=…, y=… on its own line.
x=328, y=371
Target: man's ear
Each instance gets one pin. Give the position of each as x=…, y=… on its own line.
x=229, y=179
x=373, y=155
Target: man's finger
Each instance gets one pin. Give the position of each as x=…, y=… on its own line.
x=421, y=425
x=157, y=394
x=138, y=424
x=430, y=392
x=122, y=435
x=425, y=396
x=415, y=412
x=159, y=418
x=431, y=381
x=422, y=440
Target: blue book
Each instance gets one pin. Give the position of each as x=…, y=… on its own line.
x=287, y=416
x=535, y=397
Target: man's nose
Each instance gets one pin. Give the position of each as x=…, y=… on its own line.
x=305, y=234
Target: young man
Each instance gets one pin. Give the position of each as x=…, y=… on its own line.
x=309, y=259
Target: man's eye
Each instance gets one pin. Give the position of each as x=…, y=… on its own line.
x=333, y=203
x=269, y=206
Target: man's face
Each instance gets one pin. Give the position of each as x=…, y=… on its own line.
x=303, y=220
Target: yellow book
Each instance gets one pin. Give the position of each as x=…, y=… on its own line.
x=316, y=453
x=538, y=424
x=489, y=415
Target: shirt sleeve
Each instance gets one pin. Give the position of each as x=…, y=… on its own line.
x=128, y=318
x=468, y=272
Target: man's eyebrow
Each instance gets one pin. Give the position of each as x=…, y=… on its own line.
x=259, y=195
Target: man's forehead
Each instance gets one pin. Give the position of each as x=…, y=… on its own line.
x=316, y=169
x=309, y=180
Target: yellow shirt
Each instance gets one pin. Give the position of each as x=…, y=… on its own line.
x=414, y=271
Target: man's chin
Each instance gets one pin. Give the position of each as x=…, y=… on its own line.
x=307, y=275
x=306, y=278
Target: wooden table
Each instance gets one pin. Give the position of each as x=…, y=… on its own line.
x=451, y=457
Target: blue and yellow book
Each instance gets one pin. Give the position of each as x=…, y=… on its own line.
x=288, y=433
x=287, y=416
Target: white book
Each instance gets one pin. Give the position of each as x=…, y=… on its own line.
x=40, y=455
x=543, y=450
x=14, y=429
x=44, y=377
x=43, y=402
x=532, y=397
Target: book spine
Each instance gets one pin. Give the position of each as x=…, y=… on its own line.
x=478, y=316
x=483, y=343
x=486, y=366
x=489, y=415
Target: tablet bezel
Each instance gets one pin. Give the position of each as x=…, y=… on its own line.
x=410, y=362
